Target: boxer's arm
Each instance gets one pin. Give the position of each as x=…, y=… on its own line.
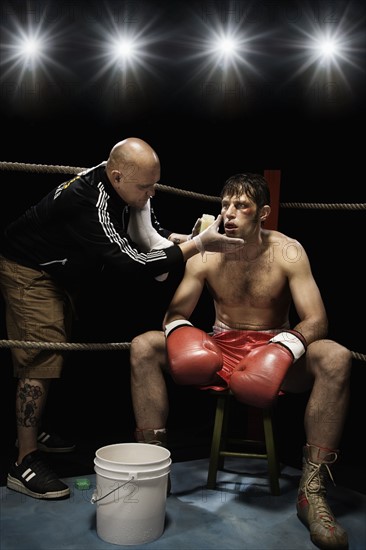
x=193, y=355
x=307, y=300
x=188, y=292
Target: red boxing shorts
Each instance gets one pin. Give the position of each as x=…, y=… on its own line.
x=234, y=345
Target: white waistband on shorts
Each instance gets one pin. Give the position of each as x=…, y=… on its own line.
x=221, y=327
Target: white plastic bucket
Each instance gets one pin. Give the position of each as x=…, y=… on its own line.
x=131, y=489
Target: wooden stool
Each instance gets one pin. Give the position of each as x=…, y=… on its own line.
x=221, y=442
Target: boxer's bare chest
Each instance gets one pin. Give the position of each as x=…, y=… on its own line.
x=258, y=281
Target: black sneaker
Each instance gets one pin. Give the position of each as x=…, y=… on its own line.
x=52, y=443
x=34, y=478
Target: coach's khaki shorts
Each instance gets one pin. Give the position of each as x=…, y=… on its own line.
x=38, y=310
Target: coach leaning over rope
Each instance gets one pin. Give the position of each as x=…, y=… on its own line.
x=100, y=217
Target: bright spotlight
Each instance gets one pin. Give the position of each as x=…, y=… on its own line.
x=328, y=48
x=226, y=49
x=124, y=49
x=221, y=52
x=226, y=45
x=27, y=50
x=325, y=48
x=330, y=51
x=30, y=48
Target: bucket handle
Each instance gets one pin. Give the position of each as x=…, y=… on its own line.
x=93, y=499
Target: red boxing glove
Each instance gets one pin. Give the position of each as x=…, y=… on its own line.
x=258, y=377
x=194, y=357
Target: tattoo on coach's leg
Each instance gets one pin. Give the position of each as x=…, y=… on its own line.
x=28, y=396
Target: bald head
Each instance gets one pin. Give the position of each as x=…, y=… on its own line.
x=133, y=167
x=133, y=150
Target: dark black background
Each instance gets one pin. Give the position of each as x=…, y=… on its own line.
x=204, y=128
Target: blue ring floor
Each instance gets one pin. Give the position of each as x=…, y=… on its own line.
x=239, y=514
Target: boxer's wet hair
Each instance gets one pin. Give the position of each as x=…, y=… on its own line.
x=254, y=186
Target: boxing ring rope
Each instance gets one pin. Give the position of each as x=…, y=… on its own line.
x=57, y=169
x=65, y=346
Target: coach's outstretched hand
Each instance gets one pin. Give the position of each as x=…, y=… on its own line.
x=210, y=240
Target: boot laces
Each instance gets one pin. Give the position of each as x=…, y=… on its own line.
x=315, y=492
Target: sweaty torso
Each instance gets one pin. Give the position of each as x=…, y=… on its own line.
x=250, y=288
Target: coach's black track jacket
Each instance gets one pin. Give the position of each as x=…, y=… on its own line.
x=78, y=228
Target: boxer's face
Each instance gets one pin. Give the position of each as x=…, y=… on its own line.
x=238, y=212
x=241, y=215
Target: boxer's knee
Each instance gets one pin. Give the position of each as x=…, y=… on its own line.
x=329, y=358
x=150, y=345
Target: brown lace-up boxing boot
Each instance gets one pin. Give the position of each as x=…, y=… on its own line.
x=312, y=508
x=153, y=437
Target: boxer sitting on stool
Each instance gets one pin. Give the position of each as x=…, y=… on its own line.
x=252, y=350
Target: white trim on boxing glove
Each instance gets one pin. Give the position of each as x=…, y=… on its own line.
x=170, y=327
x=291, y=342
